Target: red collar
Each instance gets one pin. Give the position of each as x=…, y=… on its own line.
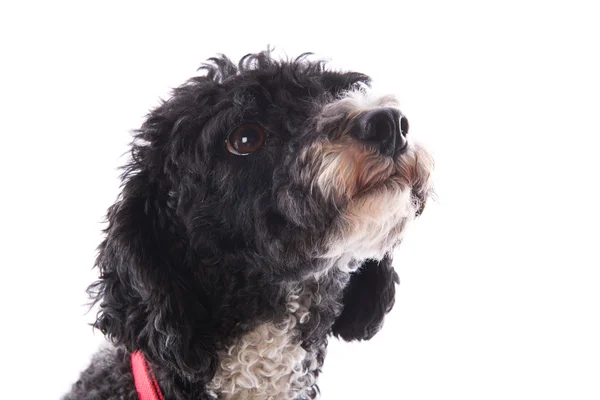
x=145, y=381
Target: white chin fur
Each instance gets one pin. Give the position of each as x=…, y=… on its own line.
x=371, y=226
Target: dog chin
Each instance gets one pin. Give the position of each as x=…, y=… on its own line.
x=375, y=219
x=371, y=225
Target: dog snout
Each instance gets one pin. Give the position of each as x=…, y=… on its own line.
x=382, y=129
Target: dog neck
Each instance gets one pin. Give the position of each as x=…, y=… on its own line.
x=281, y=359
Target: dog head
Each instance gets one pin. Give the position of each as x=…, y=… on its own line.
x=275, y=171
x=285, y=160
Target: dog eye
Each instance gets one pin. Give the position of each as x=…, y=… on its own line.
x=245, y=139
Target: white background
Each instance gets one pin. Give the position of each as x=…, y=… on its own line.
x=500, y=278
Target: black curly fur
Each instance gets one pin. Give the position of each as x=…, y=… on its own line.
x=200, y=241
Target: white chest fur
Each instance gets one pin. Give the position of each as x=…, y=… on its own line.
x=269, y=363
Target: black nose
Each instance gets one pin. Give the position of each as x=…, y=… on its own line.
x=382, y=128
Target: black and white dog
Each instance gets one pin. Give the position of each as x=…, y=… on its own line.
x=257, y=217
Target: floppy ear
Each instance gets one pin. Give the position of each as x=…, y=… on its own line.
x=337, y=81
x=148, y=297
x=367, y=298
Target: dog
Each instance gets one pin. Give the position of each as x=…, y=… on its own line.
x=257, y=218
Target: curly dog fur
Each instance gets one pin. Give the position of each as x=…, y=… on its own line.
x=230, y=271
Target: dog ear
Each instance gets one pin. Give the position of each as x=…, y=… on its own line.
x=339, y=81
x=368, y=297
x=148, y=299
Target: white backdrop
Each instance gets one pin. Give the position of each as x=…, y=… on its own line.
x=500, y=277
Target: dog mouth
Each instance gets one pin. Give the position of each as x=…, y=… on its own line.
x=386, y=173
x=374, y=217
x=349, y=169
x=383, y=183
x=409, y=171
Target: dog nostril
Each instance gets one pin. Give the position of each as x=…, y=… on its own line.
x=403, y=126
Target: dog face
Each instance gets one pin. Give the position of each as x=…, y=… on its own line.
x=288, y=165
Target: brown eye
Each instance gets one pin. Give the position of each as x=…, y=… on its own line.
x=245, y=139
